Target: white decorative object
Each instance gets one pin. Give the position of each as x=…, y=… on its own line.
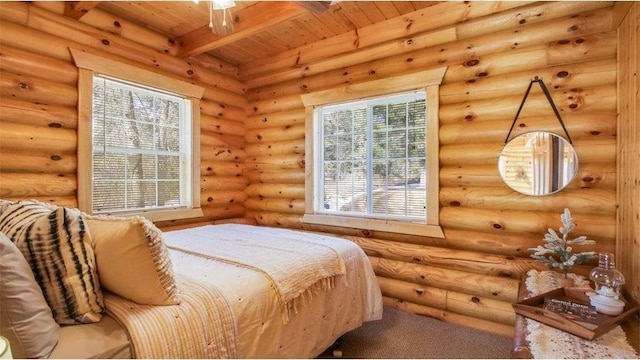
x=608, y=282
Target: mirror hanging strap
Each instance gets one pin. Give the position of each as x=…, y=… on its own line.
x=549, y=99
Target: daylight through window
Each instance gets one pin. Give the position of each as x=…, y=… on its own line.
x=373, y=158
x=141, y=148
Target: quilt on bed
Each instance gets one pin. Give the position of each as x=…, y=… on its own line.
x=281, y=293
x=296, y=264
x=201, y=326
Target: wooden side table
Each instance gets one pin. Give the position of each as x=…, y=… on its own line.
x=522, y=350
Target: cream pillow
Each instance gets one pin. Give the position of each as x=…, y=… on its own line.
x=132, y=259
x=25, y=318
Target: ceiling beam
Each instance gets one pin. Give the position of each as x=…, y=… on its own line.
x=78, y=9
x=247, y=22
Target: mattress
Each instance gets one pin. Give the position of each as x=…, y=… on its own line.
x=354, y=298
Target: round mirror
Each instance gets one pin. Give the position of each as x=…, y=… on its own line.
x=538, y=163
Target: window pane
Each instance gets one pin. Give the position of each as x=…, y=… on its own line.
x=384, y=176
x=140, y=138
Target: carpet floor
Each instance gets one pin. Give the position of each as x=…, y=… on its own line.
x=402, y=335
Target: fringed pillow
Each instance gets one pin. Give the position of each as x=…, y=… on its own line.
x=57, y=246
x=133, y=261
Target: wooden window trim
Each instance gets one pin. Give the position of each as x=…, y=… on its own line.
x=88, y=64
x=428, y=80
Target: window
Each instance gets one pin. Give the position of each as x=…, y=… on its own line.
x=141, y=148
x=373, y=158
x=372, y=155
x=138, y=141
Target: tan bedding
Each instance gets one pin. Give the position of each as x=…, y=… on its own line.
x=252, y=324
x=324, y=315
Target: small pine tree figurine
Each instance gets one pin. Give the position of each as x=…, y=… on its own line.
x=556, y=252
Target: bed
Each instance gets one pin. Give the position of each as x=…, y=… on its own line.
x=255, y=316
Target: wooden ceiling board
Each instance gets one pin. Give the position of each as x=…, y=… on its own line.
x=404, y=7
x=387, y=8
x=313, y=25
x=352, y=11
x=371, y=11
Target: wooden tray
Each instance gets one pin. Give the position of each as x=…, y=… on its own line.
x=533, y=308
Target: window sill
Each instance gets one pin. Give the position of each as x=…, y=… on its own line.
x=399, y=227
x=161, y=215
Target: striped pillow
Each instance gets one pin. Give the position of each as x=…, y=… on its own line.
x=57, y=246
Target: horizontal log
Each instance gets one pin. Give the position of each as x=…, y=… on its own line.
x=17, y=137
x=25, y=161
x=599, y=99
x=267, y=135
x=579, y=126
x=592, y=175
x=224, y=126
x=35, y=41
x=227, y=100
x=220, y=153
x=30, y=88
x=274, y=219
x=25, y=63
x=276, y=148
x=588, y=151
x=217, y=65
x=37, y=114
x=419, y=294
x=220, y=109
x=514, y=245
x=279, y=191
x=217, y=198
x=451, y=317
x=296, y=176
x=484, y=264
x=560, y=78
x=482, y=308
x=529, y=14
x=129, y=30
x=222, y=183
x=587, y=47
x=277, y=119
x=453, y=280
x=287, y=206
x=271, y=163
x=213, y=167
x=65, y=201
x=585, y=201
x=515, y=221
x=217, y=139
x=24, y=185
x=238, y=220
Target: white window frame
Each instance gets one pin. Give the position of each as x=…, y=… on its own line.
x=89, y=64
x=427, y=80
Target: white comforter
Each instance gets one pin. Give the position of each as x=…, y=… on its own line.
x=354, y=298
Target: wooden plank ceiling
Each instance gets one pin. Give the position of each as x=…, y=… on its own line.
x=262, y=28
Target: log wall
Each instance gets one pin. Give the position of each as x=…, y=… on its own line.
x=38, y=106
x=471, y=276
x=628, y=246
